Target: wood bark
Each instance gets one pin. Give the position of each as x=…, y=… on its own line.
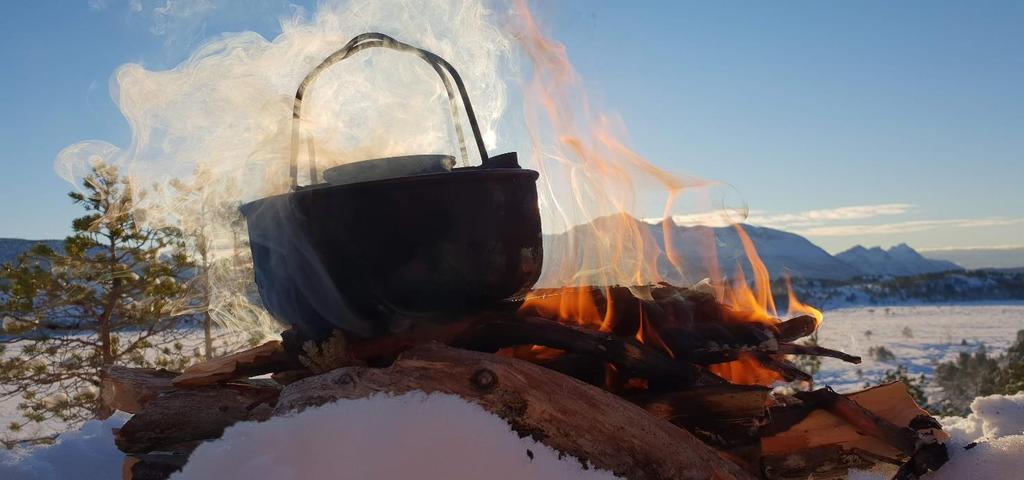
x=568, y=415
x=178, y=419
x=152, y=466
x=129, y=389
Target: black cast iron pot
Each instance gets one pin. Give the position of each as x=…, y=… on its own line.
x=371, y=256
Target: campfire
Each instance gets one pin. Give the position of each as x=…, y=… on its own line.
x=673, y=381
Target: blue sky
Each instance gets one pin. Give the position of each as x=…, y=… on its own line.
x=911, y=112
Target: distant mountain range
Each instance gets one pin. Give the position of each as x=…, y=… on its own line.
x=10, y=248
x=783, y=253
x=985, y=257
x=897, y=261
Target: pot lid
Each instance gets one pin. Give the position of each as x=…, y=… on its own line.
x=388, y=167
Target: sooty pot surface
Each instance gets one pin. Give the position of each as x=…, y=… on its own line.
x=328, y=255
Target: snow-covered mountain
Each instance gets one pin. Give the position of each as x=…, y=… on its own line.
x=782, y=252
x=900, y=260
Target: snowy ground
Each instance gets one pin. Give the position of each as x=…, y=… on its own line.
x=936, y=334
x=444, y=437
x=191, y=339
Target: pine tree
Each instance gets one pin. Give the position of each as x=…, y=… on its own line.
x=115, y=295
x=1014, y=372
x=968, y=377
x=915, y=385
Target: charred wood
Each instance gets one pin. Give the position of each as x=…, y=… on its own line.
x=631, y=357
x=724, y=402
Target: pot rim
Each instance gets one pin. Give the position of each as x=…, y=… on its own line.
x=459, y=174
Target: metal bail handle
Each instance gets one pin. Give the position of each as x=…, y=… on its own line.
x=373, y=40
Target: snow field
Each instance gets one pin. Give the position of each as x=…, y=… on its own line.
x=937, y=334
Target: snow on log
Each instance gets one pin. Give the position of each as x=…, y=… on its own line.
x=561, y=412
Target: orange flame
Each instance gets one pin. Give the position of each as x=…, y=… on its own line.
x=603, y=176
x=798, y=308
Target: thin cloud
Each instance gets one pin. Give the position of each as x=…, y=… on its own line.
x=905, y=227
x=973, y=248
x=710, y=219
x=789, y=221
x=823, y=216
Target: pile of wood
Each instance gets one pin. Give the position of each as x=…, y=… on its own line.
x=661, y=413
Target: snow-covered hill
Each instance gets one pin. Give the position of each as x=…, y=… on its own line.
x=783, y=253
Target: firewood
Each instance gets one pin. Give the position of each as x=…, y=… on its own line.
x=824, y=462
x=880, y=422
x=696, y=329
x=727, y=417
x=724, y=401
x=694, y=325
x=269, y=357
x=814, y=350
x=796, y=328
x=865, y=421
x=568, y=415
x=129, y=389
x=722, y=355
x=152, y=466
x=783, y=367
x=493, y=331
x=182, y=416
x=630, y=356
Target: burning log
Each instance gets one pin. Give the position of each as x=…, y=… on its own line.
x=537, y=402
x=690, y=330
x=492, y=332
x=692, y=325
x=693, y=330
x=628, y=355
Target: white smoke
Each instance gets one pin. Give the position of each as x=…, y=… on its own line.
x=219, y=122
